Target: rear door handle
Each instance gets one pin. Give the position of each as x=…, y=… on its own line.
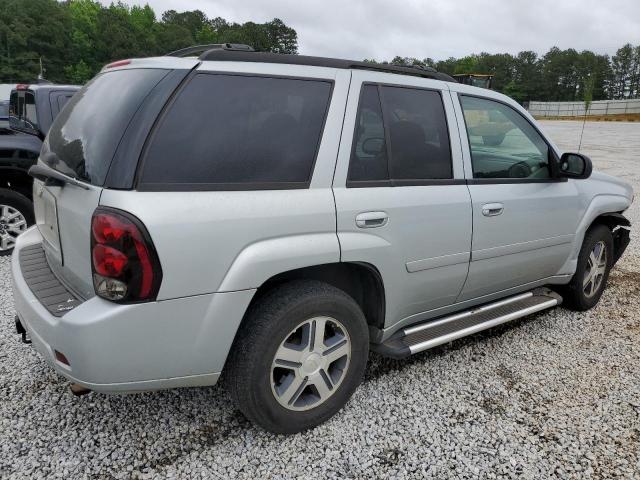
x=492, y=209
x=371, y=219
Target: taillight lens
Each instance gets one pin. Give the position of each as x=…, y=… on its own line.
x=124, y=261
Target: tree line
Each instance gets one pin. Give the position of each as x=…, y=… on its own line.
x=74, y=39
x=558, y=75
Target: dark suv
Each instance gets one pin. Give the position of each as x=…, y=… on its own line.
x=31, y=112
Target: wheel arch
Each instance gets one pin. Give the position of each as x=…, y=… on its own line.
x=603, y=209
x=619, y=226
x=362, y=281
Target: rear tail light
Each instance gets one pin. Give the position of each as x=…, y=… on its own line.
x=124, y=262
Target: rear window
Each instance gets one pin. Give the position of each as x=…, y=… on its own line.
x=4, y=109
x=23, y=111
x=84, y=137
x=238, y=132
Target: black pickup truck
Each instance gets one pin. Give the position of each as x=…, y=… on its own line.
x=32, y=109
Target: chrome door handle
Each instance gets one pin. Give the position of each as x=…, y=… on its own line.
x=492, y=209
x=371, y=219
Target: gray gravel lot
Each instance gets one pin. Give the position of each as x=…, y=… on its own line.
x=552, y=395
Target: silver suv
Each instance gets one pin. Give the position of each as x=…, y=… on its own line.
x=271, y=218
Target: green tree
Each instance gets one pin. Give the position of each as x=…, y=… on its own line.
x=32, y=31
x=526, y=76
x=500, y=65
x=84, y=34
x=622, y=66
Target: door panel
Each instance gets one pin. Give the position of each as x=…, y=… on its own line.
x=524, y=219
x=423, y=250
x=528, y=241
x=415, y=231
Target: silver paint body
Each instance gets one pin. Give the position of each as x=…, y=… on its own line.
x=435, y=250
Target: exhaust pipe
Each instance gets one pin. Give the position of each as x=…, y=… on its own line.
x=78, y=390
x=22, y=331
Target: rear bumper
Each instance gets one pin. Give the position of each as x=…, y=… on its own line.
x=126, y=348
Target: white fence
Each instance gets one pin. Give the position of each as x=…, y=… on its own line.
x=575, y=109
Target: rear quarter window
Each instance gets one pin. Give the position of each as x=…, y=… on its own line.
x=84, y=136
x=235, y=132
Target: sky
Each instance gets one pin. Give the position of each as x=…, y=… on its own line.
x=439, y=29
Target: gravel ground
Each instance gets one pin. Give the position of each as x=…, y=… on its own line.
x=552, y=395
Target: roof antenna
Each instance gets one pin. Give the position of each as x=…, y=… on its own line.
x=588, y=96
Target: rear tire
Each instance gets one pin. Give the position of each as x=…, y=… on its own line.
x=16, y=214
x=594, y=263
x=281, y=373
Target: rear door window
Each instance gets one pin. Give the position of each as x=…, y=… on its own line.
x=369, y=154
x=401, y=138
x=418, y=135
x=235, y=132
x=84, y=136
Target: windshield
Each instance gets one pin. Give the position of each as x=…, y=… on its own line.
x=86, y=133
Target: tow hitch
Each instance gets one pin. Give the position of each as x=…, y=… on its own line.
x=21, y=331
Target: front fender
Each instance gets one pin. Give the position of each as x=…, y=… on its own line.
x=262, y=260
x=601, y=204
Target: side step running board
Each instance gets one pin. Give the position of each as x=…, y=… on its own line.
x=423, y=336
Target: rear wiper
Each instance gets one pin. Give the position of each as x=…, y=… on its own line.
x=53, y=177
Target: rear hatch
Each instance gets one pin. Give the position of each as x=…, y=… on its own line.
x=81, y=144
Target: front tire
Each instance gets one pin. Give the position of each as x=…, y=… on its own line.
x=594, y=264
x=299, y=356
x=16, y=215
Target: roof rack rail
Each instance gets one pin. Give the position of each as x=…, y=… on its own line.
x=190, y=51
x=226, y=55
x=425, y=68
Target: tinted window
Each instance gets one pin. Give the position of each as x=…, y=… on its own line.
x=418, y=134
x=413, y=122
x=369, y=154
x=84, y=136
x=228, y=131
x=503, y=143
x=4, y=109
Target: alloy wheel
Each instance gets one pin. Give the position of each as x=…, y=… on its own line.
x=310, y=364
x=12, y=224
x=595, y=270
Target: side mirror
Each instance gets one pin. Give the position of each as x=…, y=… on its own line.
x=575, y=165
